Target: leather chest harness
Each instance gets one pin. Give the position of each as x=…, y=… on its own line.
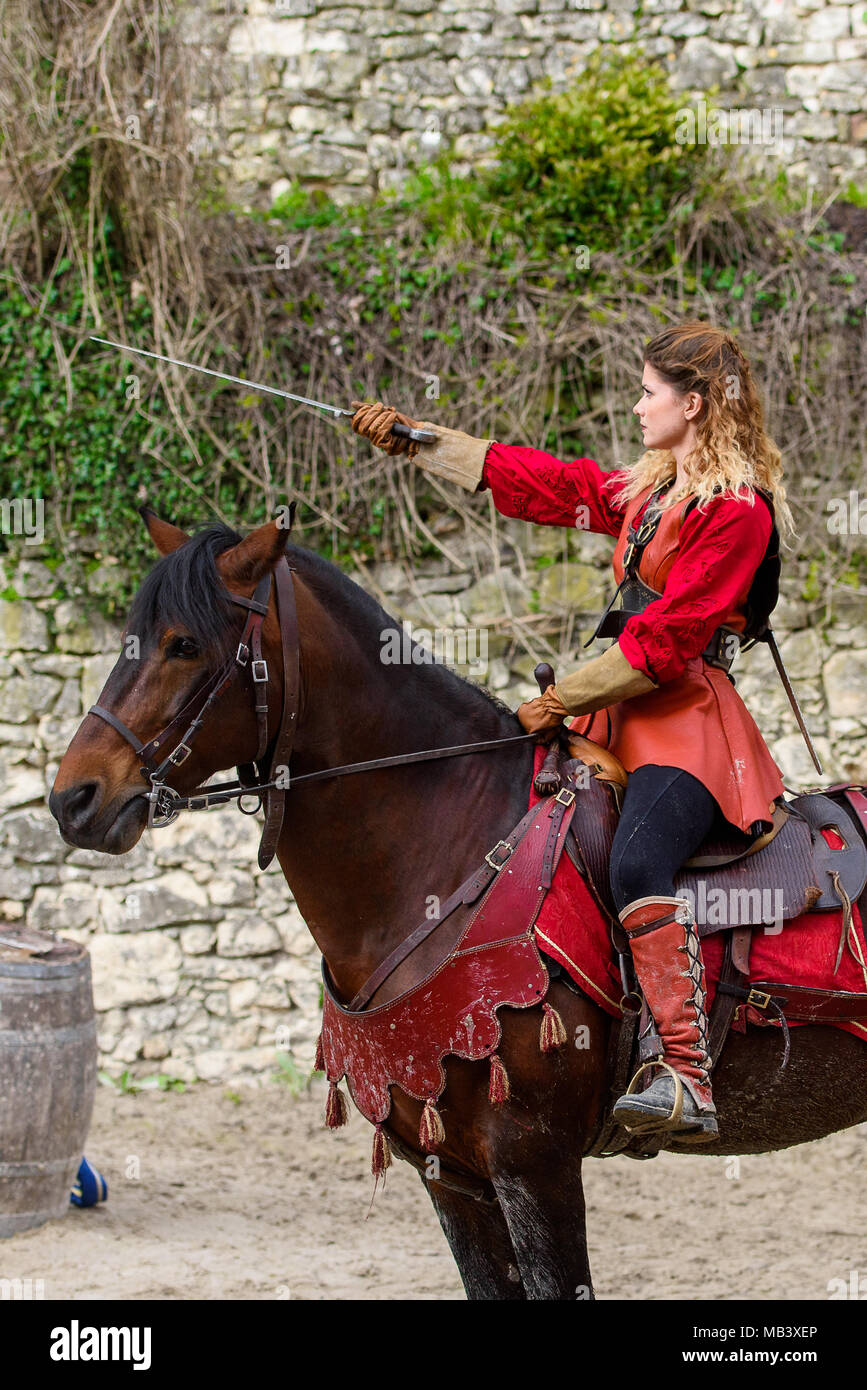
x=725, y=642
x=635, y=595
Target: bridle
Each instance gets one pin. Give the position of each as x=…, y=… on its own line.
x=166, y=804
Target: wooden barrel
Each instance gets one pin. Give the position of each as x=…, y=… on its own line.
x=47, y=1074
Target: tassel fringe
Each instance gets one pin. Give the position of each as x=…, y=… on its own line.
x=381, y=1158
x=335, y=1107
x=499, y=1089
x=319, y=1061
x=552, y=1033
x=431, y=1130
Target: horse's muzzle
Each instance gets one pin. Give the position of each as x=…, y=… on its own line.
x=87, y=824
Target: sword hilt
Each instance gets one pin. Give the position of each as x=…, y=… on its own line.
x=409, y=432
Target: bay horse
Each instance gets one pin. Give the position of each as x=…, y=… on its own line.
x=363, y=853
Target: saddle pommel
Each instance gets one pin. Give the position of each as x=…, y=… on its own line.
x=607, y=767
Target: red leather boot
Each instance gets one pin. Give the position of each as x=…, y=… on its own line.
x=666, y=953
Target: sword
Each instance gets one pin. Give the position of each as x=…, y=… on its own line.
x=771, y=640
x=422, y=436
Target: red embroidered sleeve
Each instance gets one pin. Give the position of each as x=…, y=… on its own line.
x=535, y=486
x=719, y=551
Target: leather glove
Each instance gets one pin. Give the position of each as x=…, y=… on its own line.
x=455, y=456
x=535, y=719
x=601, y=682
x=375, y=422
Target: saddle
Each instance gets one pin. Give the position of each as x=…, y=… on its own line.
x=764, y=880
x=736, y=885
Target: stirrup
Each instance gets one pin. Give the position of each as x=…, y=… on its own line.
x=658, y=1122
x=686, y=1132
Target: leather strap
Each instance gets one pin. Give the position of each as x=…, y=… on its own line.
x=647, y=927
x=720, y=650
x=800, y=1003
x=725, y=1001
x=275, y=797
x=259, y=673
x=118, y=724
x=469, y=891
x=717, y=861
x=611, y=1138
x=480, y=1189
x=741, y=940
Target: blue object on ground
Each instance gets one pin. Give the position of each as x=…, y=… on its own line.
x=90, y=1187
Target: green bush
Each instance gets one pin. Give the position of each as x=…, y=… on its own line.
x=597, y=162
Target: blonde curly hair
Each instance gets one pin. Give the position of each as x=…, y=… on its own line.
x=733, y=453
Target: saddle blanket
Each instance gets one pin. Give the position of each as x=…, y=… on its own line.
x=572, y=928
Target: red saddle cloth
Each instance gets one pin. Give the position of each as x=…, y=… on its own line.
x=453, y=1010
x=572, y=928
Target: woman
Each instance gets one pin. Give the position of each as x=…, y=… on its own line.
x=695, y=522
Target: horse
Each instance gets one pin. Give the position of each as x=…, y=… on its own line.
x=361, y=853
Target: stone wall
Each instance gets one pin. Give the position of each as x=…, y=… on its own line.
x=348, y=96
x=203, y=966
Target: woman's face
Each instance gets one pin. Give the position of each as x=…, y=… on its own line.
x=666, y=417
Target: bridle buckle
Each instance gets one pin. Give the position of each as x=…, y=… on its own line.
x=179, y=754
x=263, y=667
x=242, y=660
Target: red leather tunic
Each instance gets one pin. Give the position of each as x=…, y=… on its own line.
x=703, y=566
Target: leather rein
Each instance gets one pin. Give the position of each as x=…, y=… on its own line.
x=166, y=803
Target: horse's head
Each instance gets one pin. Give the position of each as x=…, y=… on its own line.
x=183, y=626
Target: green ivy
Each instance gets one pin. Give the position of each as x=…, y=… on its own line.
x=596, y=164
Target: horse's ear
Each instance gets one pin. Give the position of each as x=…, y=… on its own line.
x=164, y=535
x=246, y=562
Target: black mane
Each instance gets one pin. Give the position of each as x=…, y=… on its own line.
x=184, y=587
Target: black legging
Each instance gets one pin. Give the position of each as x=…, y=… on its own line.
x=666, y=815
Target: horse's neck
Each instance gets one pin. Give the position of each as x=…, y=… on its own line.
x=365, y=854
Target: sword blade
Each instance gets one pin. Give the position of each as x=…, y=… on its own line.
x=223, y=376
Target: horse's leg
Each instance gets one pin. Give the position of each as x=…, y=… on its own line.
x=480, y=1243
x=547, y=1225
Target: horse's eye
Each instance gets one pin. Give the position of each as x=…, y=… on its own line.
x=183, y=647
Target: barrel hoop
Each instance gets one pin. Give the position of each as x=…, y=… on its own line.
x=70, y=970
x=12, y=1037
x=37, y=1167
x=26, y=989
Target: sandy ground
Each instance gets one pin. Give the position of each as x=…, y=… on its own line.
x=254, y=1199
